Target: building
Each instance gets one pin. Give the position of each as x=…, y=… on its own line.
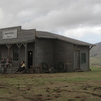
x=43, y=48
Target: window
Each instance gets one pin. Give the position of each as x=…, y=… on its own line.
x=83, y=57
x=15, y=55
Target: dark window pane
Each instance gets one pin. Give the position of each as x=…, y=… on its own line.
x=15, y=55
x=83, y=57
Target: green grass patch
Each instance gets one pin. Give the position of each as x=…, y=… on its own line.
x=74, y=86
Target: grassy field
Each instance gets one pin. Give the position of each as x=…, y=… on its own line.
x=95, y=61
x=75, y=86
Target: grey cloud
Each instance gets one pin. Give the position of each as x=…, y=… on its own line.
x=51, y=15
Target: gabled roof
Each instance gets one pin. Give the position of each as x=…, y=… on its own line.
x=43, y=34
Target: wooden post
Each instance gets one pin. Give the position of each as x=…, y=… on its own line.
x=9, y=46
x=19, y=56
x=9, y=52
x=25, y=44
x=19, y=45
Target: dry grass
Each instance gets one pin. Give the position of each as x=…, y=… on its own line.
x=75, y=86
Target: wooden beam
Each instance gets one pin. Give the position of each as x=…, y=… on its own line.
x=8, y=45
x=90, y=47
x=19, y=45
x=75, y=46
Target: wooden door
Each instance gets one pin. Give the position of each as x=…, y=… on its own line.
x=77, y=59
x=30, y=58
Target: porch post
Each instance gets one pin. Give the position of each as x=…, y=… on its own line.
x=25, y=44
x=8, y=50
x=19, y=45
x=9, y=46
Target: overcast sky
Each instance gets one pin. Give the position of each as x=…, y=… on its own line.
x=79, y=19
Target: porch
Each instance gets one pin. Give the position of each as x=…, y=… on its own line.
x=17, y=52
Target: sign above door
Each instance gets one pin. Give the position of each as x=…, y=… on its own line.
x=9, y=34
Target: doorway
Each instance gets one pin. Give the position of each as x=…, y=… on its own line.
x=30, y=58
x=77, y=59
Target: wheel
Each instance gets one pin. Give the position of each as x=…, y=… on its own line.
x=61, y=67
x=45, y=67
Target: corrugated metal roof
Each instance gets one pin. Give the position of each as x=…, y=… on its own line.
x=42, y=34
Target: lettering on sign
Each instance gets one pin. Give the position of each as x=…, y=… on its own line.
x=8, y=34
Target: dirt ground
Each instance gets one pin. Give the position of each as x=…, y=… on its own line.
x=75, y=86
